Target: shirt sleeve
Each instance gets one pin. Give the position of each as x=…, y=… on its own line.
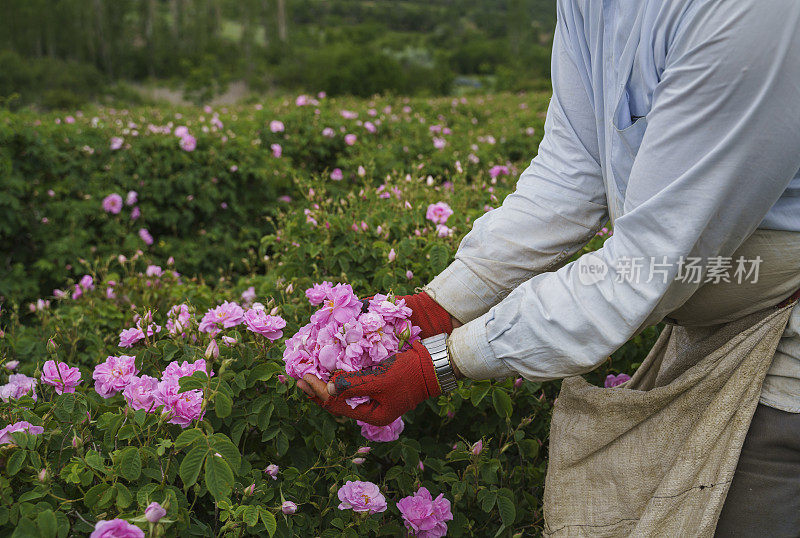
x=557, y=207
x=721, y=145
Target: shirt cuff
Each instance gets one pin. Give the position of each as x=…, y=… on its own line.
x=459, y=291
x=472, y=354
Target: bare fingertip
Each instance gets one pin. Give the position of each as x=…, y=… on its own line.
x=332, y=389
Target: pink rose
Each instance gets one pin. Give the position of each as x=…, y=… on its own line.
x=21, y=426
x=317, y=293
x=261, y=323
x=145, y=236
x=140, y=393
x=188, y=143
x=276, y=126
x=616, y=380
x=18, y=386
x=438, y=213
x=383, y=434
x=116, y=528
x=226, y=315
x=112, y=203
x=288, y=507
x=61, y=376
x=425, y=516
x=116, y=142
x=114, y=374
x=361, y=497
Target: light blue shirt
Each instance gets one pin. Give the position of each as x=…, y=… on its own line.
x=677, y=120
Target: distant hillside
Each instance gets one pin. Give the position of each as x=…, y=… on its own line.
x=53, y=53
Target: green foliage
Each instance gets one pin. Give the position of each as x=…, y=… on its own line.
x=210, y=207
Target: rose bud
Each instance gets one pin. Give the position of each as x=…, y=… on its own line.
x=249, y=490
x=154, y=512
x=288, y=507
x=43, y=475
x=477, y=448
x=364, y=450
x=358, y=461
x=518, y=382
x=272, y=471
x=212, y=351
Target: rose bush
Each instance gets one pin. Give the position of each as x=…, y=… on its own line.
x=232, y=448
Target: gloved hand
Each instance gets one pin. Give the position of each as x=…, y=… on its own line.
x=395, y=386
x=426, y=314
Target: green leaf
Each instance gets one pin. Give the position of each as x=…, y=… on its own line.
x=222, y=404
x=220, y=443
x=30, y=495
x=261, y=372
x=105, y=498
x=440, y=255
x=46, y=521
x=479, y=391
x=505, y=504
x=219, y=477
x=15, y=462
x=130, y=463
x=124, y=497
x=64, y=406
x=487, y=499
x=250, y=516
x=95, y=461
x=25, y=529
x=191, y=465
x=92, y=496
x=502, y=403
x=530, y=447
x=269, y=521
x=197, y=380
x=187, y=437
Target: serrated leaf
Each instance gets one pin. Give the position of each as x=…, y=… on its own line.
x=106, y=497
x=129, y=463
x=479, y=391
x=502, y=403
x=197, y=380
x=64, y=406
x=95, y=461
x=250, y=516
x=187, y=437
x=439, y=256
x=222, y=404
x=191, y=465
x=487, y=499
x=269, y=521
x=218, y=477
x=46, y=522
x=25, y=529
x=124, y=497
x=228, y=450
x=92, y=496
x=505, y=504
x=15, y=462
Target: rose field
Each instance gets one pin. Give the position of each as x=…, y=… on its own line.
x=155, y=262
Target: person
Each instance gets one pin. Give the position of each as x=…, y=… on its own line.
x=678, y=121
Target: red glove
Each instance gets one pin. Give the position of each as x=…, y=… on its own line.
x=426, y=314
x=395, y=386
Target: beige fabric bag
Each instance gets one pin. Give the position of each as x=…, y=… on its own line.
x=655, y=457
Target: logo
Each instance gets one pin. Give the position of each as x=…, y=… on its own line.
x=591, y=269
